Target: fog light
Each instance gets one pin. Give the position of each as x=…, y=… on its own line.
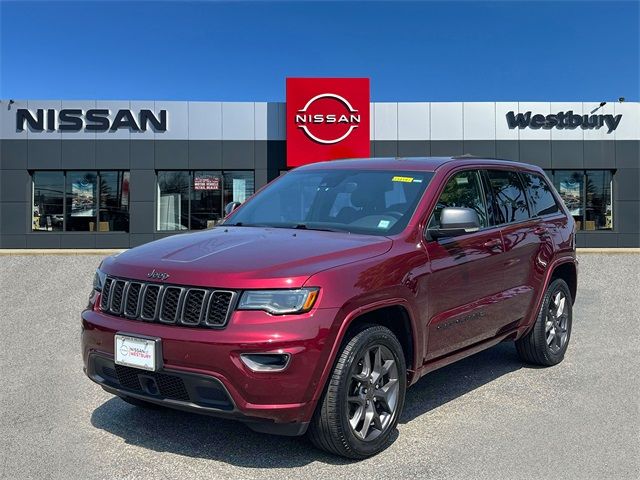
x=266, y=362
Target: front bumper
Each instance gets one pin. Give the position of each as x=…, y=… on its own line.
x=202, y=371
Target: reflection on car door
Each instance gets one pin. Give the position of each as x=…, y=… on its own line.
x=522, y=235
x=465, y=271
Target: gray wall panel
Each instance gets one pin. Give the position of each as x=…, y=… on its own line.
x=15, y=186
x=567, y=154
x=629, y=240
x=536, y=152
x=13, y=154
x=142, y=154
x=238, y=155
x=142, y=217
x=113, y=155
x=626, y=184
x=277, y=155
x=44, y=154
x=143, y=185
x=78, y=240
x=172, y=154
x=13, y=241
x=386, y=148
x=43, y=240
x=447, y=148
x=78, y=154
x=627, y=154
x=261, y=178
x=112, y=240
x=15, y=217
x=205, y=154
x=508, y=150
x=599, y=154
x=260, y=154
x=604, y=240
x=480, y=148
x=136, y=239
x=627, y=216
x=414, y=148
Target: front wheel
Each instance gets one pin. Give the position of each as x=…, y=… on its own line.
x=364, y=396
x=547, y=341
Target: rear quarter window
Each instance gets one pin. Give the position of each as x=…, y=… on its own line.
x=508, y=192
x=539, y=191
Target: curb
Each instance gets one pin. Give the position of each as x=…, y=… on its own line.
x=58, y=251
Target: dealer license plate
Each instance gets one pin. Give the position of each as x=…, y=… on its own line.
x=137, y=352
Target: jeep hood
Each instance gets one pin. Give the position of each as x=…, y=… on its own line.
x=245, y=257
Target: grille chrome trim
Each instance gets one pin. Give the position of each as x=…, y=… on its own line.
x=202, y=304
x=163, y=304
x=192, y=307
x=230, y=308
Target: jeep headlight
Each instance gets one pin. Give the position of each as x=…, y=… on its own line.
x=98, y=280
x=279, y=302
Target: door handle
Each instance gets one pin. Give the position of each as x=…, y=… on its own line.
x=493, y=243
x=539, y=230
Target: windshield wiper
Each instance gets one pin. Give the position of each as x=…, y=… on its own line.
x=304, y=226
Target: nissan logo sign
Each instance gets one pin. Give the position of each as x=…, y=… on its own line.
x=343, y=113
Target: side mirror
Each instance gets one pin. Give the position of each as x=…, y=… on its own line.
x=230, y=207
x=456, y=221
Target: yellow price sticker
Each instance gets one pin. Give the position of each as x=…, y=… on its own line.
x=402, y=179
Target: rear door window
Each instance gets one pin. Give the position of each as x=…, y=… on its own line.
x=542, y=199
x=509, y=195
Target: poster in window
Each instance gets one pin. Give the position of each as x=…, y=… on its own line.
x=206, y=183
x=571, y=193
x=83, y=202
x=239, y=190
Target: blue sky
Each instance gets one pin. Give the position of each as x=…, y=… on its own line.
x=239, y=51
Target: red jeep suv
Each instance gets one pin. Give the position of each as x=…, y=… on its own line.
x=315, y=304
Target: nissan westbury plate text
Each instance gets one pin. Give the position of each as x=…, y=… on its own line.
x=135, y=352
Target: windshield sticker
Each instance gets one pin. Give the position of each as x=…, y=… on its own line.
x=383, y=224
x=462, y=180
x=402, y=179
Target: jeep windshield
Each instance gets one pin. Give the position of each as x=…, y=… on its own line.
x=371, y=202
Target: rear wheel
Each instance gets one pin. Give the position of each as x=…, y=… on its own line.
x=547, y=341
x=364, y=396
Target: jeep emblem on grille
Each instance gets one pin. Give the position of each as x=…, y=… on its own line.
x=157, y=275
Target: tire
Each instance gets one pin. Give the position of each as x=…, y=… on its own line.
x=351, y=396
x=536, y=347
x=139, y=403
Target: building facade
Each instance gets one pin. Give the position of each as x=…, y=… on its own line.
x=116, y=174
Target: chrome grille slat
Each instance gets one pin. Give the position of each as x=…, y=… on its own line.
x=132, y=300
x=169, y=304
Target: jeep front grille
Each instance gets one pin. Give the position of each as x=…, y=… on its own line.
x=170, y=304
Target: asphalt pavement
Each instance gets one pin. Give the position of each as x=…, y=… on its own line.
x=488, y=416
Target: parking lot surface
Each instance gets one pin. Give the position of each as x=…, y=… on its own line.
x=488, y=416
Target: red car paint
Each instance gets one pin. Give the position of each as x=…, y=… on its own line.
x=460, y=297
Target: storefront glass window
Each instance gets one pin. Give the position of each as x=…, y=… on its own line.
x=238, y=186
x=173, y=200
x=114, y=202
x=195, y=200
x=598, y=211
x=587, y=195
x=81, y=198
x=570, y=186
x=48, y=201
x=206, y=199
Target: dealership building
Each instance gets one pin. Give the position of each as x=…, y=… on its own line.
x=116, y=174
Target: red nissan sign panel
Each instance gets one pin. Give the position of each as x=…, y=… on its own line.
x=327, y=118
